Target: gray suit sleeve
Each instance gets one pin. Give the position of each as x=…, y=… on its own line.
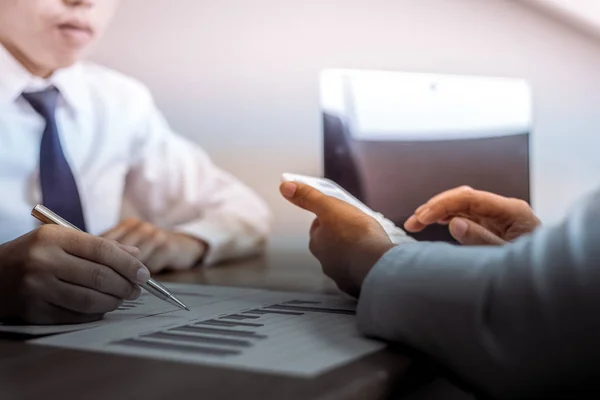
x=521, y=317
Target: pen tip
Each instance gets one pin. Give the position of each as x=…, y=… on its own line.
x=187, y=308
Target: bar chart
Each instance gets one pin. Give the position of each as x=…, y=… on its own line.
x=232, y=331
x=282, y=333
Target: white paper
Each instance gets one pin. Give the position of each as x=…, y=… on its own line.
x=283, y=333
x=146, y=305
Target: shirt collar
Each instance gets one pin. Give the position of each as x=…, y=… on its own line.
x=15, y=79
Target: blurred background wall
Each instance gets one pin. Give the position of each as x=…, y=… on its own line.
x=240, y=77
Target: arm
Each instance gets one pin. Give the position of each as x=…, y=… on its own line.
x=524, y=315
x=174, y=185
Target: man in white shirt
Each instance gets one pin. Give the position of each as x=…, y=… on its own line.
x=80, y=139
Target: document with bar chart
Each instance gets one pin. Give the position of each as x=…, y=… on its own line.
x=145, y=306
x=283, y=333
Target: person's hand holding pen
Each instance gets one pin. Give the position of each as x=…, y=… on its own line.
x=57, y=275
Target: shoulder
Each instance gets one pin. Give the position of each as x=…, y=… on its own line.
x=115, y=88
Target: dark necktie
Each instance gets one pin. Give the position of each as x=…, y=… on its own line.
x=59, y=189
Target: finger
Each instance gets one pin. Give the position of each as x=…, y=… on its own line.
x=97, y=277
x=413, y=225
x=43, y=313
x=104, y=252
x=470, y=233
x=152, y=243
x=463, y=200
x=314, y=226
x=121, y=229
x=159, y=260
x=134, y=251
x=139, y=235
x=314, y=247
x=80, y=299
x=311, y=199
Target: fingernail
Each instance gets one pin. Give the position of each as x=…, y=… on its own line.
x=418, y=210
x=288, y=190
x=142, y=275
x=135, y=293
x=458, y=227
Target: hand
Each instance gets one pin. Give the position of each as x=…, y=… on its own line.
x=345, y=240
x=59, y=275
x=159, y=249
x=476, y=217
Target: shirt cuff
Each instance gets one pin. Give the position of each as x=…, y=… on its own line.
x=224, y=242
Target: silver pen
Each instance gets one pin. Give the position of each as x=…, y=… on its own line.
x=46, y=216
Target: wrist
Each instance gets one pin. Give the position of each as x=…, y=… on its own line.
x=194, y=248
x=368, y=259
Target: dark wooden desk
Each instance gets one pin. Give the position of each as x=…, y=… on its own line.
x=34, y=372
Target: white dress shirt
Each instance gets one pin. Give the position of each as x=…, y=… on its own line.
x=119, y=146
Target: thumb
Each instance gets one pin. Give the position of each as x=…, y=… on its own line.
x=470, y=233
x=306, y=197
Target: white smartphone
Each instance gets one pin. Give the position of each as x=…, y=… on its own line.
x=330, y=188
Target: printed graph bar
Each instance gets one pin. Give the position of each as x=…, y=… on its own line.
x=312, y=309
x=265, y=312
x=239, y=317
x=214, y=322
x=193, y=338
x=180, y=348
x=221, y=332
